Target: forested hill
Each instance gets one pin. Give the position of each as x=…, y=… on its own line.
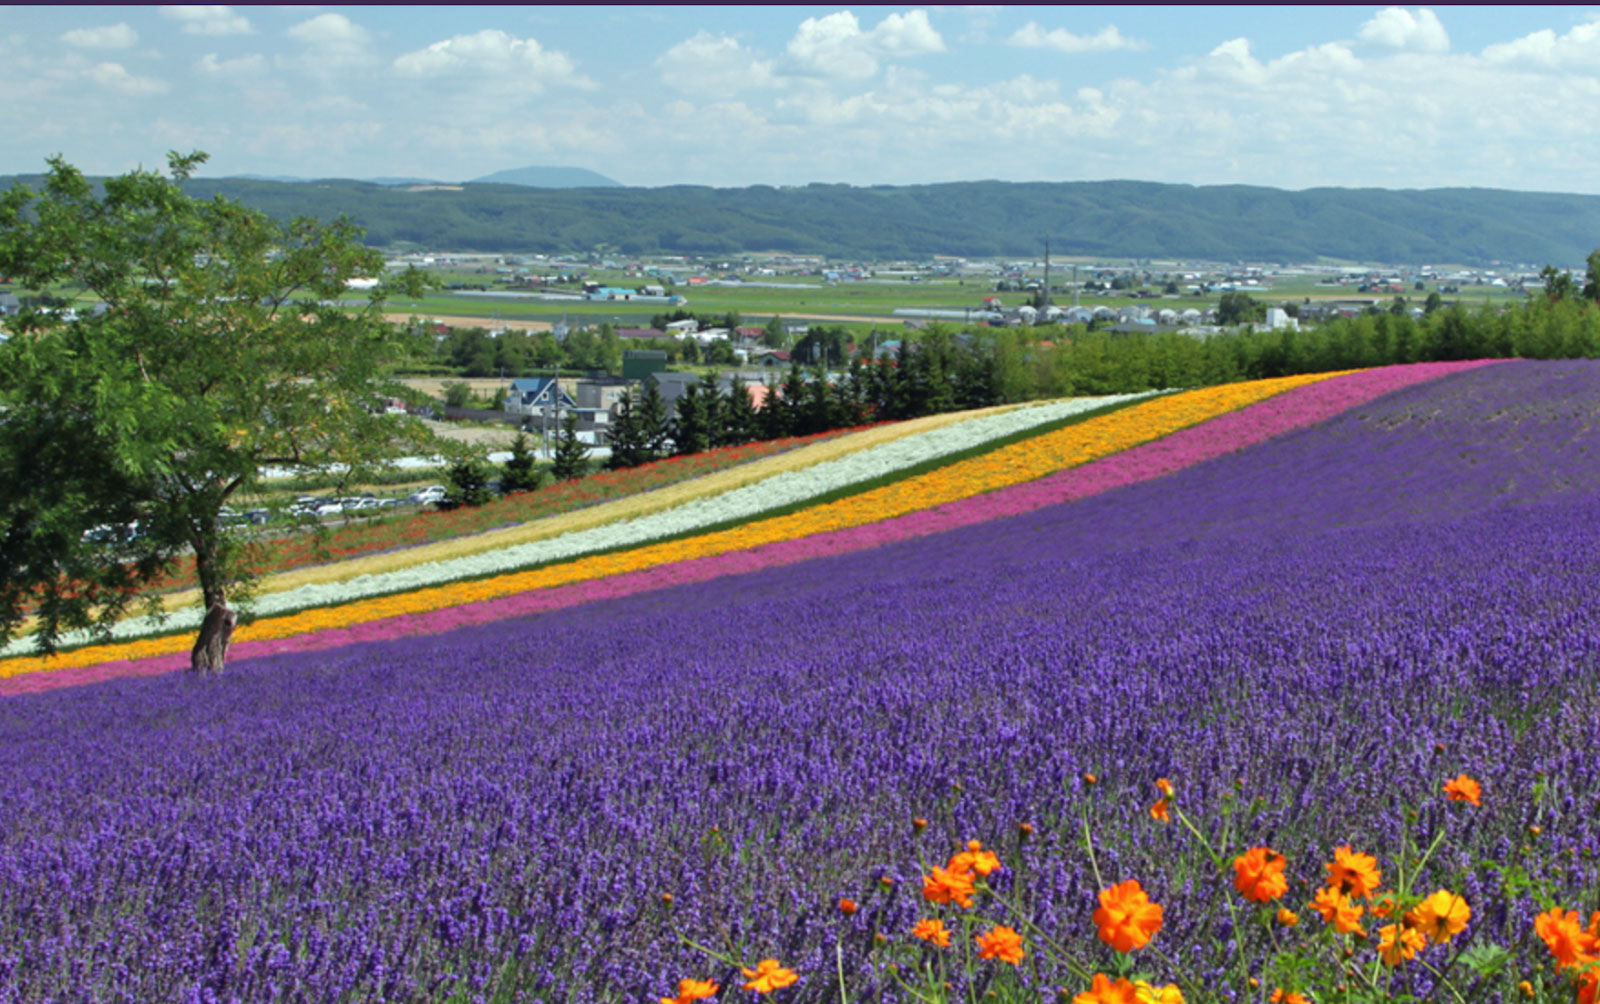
x=987, y=218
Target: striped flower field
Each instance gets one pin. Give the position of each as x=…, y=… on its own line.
x=1306, y=606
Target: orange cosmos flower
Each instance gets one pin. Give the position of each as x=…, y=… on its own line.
x=945, y=886
x=1356, y=875
x=974, y=859
x=1126, y=917
x=1001, y=943
x=1589, y=987
x=1258, y=875
x=847, y=906
x=1464, y=789
x=1288, y=918
x=1103, y=991
x=1572, y=946
x=1279, y=996
x=1399, y=944
x=1164, y=786
x=1336, y=909
x=692, y=990
x=1159, y=812
x=768, y=976
x=933, y=932
x=1441, y=916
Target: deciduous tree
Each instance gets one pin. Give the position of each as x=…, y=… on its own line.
x=224, y=348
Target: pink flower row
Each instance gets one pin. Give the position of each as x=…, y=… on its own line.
x=1295, y=409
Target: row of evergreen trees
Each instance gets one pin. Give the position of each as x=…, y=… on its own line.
x=941, y=374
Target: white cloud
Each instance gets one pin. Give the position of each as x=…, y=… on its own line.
x=332, y=41
x=1398, y=28
x=835, y=46
x=208, y=19
x=908, y=34
x=111, y=36
x=242, y=67
x=1579, y=47
x=510, y=63
x=713, y=64
x=1107, y=39
x=117, y=78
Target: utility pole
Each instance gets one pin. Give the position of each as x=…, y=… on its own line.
x=1044, y=307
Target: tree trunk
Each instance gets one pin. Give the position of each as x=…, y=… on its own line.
x=216, y=633
x=210, y=651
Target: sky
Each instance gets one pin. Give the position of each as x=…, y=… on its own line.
x=1289, y=97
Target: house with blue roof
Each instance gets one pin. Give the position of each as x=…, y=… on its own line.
x=530, y=396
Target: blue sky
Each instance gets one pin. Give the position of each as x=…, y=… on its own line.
x=1284, y=96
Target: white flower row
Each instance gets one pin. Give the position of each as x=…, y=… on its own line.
x=781, y=490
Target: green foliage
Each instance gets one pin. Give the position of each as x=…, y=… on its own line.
x=571, y=456
x=773, y=335
x=220, y=352
x=457, y=394
x=694, y=419
x=652, y=417
x=1558, y=284
x=519, y=474
x=1591, y=279
x=468, y=481
x=1239, y=308
x=630, y=443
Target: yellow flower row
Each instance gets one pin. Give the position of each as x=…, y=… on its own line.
x=614, y=511
x=1023, y=461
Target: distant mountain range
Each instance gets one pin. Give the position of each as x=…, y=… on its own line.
x=548, y=177
x=531, y=177
x=1102, y=219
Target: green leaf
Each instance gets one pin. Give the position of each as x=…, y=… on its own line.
x=1485, y=959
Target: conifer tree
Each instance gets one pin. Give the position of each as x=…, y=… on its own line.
x=819, y=412
x=691, y=432
x=740, y=421
x=571, y=460
x=628, y=448
x=716, y=411
x=792, y=401
x=469, y=484
x=652, y=416
x=519, y=474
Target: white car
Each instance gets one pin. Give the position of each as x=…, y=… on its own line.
x=428, y=495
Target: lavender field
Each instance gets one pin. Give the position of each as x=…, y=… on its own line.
x=1333, y=623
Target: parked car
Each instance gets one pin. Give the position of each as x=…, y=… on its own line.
x=429, y=495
